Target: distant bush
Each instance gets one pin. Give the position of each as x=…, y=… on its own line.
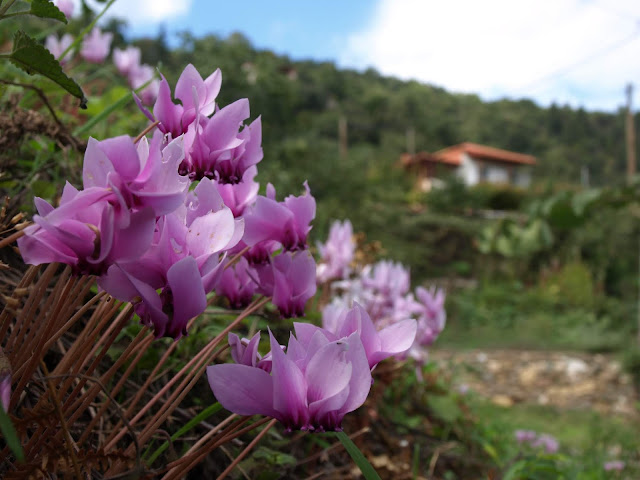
x=455, y=196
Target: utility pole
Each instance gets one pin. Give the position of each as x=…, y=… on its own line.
x=342, y=136
x=630, y=136
x=411, y=141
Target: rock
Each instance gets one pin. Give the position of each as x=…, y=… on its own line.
x=529, y=374
x=502, y=400
x=575, y=368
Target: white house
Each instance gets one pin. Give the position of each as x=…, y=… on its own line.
x=473, y=163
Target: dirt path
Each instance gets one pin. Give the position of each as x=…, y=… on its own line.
x=563, y=379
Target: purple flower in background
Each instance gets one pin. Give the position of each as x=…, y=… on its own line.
x=66, y=7
x=311, y=387
x=546, y=441
x=432, y=303
x=195, y=95
x=237, y=283
x=388, y=278
x=286, y=222
x=378, y=345
x=57, y=47
x=127, y=60
x=337, y=254
x=290, y=279
x=615, y=465
x=525, y=436
x=96, y=45
x=139, y=76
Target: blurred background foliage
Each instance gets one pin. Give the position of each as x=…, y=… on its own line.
x=551, y=267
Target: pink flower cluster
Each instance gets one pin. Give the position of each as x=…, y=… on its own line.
x=537, y=440
x=320, y=376
x=383, y=290
x=153, y=240
x=127, y=62
x=95, y=46
x=95, y=49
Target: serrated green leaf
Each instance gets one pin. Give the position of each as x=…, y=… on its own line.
x=47, y=9
x=32, y=57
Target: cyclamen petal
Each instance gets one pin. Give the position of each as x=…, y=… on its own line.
x=311, y=387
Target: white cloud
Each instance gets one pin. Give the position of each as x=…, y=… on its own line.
x=145, y=12
x=545, y=50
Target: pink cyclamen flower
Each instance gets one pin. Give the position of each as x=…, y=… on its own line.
x=615, y=465
x=182, y=262
x=546, y=441
x=142, y=175
x=245, y=352
x=290, y=279
x=287, y=222
x=87, y=231
x=57, y=47
x=96, y=45
x=525, y=436
x=197, y=96
x=388, y=278
x=337, y=254
x=238, y=196
x=126, y=60
x=378, y=345
x=237, y=283
x=216, y=149
x=66, y=7
x=139, y=76
x=311, y=387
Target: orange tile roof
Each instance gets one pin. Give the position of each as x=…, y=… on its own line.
x=453, y=155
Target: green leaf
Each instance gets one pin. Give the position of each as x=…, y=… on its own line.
x=32, y=57
x=10, y=435
x=363, y=464
x=201, y=417
x=46, y=9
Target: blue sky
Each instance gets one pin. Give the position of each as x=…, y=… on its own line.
x=576, y=52
x=300, y=29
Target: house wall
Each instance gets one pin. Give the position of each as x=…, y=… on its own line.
x=468, y=170
x=473, y=171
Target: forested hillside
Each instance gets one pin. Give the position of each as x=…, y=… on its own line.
x=301, y=103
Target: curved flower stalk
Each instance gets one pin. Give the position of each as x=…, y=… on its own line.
x=337, y=253
x=310, y=387
x=96, y=45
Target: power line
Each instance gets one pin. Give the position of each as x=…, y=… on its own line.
x=563, y=71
